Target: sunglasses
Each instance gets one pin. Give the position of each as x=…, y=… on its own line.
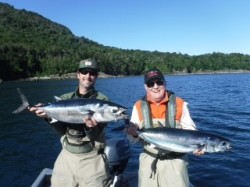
x=91, y=72
x=152, y=83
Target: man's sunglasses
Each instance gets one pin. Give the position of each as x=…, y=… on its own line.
x=91, y=72
x=152, y=83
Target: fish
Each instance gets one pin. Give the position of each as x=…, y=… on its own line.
x=184, y=141
x=74, y=110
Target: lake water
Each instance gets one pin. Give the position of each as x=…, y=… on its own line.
x=218, y=103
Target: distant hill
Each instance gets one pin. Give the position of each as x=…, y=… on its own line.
x=31, y=45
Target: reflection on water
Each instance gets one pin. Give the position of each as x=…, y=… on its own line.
x=218, y=104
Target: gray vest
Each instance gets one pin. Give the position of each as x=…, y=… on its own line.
x=170, y=112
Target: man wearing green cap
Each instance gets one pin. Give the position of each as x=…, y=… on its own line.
x=82, y=161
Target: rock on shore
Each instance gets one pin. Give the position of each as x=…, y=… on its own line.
x=65, y=76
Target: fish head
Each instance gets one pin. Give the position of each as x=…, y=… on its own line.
x=223, y=145
x=110, y=113
x=120, y=113
x=219, y=145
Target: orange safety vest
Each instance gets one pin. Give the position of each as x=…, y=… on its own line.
x=170, y=110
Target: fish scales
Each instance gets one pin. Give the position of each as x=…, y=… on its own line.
x=74, y=110
x=181, y=140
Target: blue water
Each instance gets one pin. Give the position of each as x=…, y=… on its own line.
x=218, y=103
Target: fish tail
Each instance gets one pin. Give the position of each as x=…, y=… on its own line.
x=25, y=104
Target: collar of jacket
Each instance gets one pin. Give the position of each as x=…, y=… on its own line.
x=92, y=93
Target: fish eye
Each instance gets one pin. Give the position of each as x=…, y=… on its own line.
x=224, y=143
x=115, y=109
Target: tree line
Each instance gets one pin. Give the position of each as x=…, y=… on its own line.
x=31, y=45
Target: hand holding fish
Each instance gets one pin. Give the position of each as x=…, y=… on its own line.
x=185, y=141
x=90, y=122
x=75, y=110
x=132, y=130
x=198, y=152
x=38, y=110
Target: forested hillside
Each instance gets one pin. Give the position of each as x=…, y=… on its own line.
x=31, y=45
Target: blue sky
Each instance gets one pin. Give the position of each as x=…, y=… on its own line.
x=190, y=27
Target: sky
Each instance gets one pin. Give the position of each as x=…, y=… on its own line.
x=192, y=27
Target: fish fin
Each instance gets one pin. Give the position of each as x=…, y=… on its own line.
x=168, y=146
x=88, y=112
x=53, y=120
x=25, y=104
x=201, y=147
x=152, y=145
x=57, y=98
x=160, y=124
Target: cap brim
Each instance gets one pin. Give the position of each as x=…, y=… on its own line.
x=154, y=78
x=88, y=68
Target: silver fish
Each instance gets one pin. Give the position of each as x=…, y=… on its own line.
x=74, y=110
x=184, y=141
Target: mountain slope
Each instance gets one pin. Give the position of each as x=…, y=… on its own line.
x=32, y=45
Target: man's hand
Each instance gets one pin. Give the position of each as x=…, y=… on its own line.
x=38, y=111
x=132, y=130
x=90, y=122
x=198, y=152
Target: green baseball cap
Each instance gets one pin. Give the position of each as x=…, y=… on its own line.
x=89, y=64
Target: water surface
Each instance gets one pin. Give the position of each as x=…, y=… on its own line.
x=218, y=103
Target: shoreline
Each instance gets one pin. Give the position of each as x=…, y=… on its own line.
x=59, y=77
x=103, y=75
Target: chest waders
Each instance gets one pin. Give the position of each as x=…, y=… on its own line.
x=170, y=122
x=75, y=135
